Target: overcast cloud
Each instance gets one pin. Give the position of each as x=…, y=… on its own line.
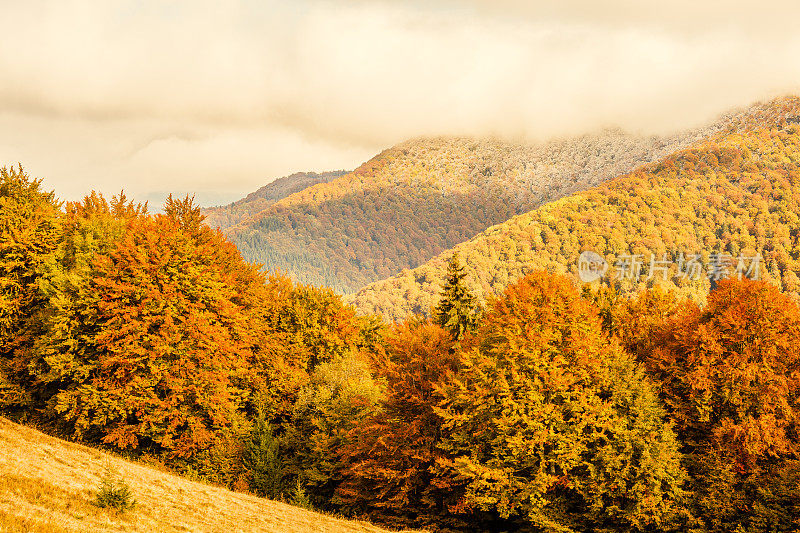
x=219, y=98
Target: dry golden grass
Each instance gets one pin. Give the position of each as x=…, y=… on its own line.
x=48, y=486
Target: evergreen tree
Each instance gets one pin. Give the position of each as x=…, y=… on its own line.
x=457, y=310
x=262, y=459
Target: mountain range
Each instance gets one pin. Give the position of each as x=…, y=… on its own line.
x=383, y=233
x=733, y=194
x=420, y=198
x=226, y=216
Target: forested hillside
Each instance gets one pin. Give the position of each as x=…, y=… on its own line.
x=550, y=409
x=736, y=193
x=229, y=215
x=421, y=197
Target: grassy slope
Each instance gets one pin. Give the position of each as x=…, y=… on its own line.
x=48, y=485
x=697, y=207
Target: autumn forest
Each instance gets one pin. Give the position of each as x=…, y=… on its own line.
x=489, y=389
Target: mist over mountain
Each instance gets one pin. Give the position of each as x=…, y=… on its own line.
x=735, y=190
x=421, y=197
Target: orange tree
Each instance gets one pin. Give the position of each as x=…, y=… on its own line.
x=311, y=381
x=390, y=461
x=730, y=375
x=637, y=321
x=90, y=228
x=153, y=334
x=551, y=425
x=306, y=327
x=149, y=343
x=342, y=395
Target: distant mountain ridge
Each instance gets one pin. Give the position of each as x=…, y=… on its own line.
x=415, y=200
x=736, y=190
x=224, y=217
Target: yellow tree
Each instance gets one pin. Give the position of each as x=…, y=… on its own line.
x=30, y=230
x=552, y=425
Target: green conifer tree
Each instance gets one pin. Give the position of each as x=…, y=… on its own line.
x=262, y=459
x=457, y=310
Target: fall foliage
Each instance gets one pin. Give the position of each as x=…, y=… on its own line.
x=419, y=198
x=227, y=216
x=734, y=192
x=730, y=372
x=391, y=461
x=30, y=230
x=164, y=334
x=550, y=424
x=520, y=403
x=151, y=333
x=730, y=378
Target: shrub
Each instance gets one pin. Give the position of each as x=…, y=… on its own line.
x=114, y=492
x=299, y=497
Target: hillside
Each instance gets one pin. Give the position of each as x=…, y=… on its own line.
x=47, y=485
x=736, y=192
x=421, y=197
x=229, y=215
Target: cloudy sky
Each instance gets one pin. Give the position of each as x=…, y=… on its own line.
x=218, y=98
